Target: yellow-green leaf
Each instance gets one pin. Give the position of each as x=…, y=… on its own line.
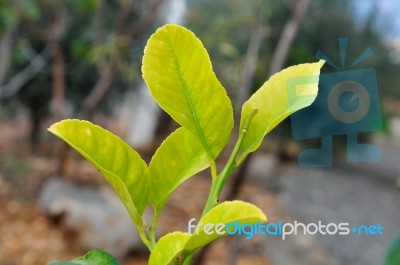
x=284, y=93
x=169, y=249
x=178, y=72
x=177, y=246
x=179, y=157
x=225, y=213
x=122, y=166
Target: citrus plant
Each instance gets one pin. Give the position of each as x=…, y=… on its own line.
x=179, y=75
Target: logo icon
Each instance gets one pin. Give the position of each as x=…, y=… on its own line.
x=347, y=104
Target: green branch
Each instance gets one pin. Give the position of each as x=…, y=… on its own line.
x=219, y=182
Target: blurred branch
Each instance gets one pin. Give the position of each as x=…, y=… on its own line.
x=253, y=49
x=58, y=23
x=107, y=69
x=144, y=22
x=98, y=25
x=6, y=42
x=57, y=32
x=124, y=11
x=107, y=75
x=290, y=4
x=36, y=64
x=286, y=39
x=52, y=36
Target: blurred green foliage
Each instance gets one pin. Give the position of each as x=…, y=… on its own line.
x=91, y=35
x=393, y=253
x=225, y=26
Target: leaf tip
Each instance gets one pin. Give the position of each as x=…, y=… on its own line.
x=54, y=127
x=321, y=63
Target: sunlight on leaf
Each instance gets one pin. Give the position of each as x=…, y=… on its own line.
x=178, y=158
x=122, y=166
x=277, y=98
x=178, y=72
x=173, y=247
x=169, y=249
x=226, y=212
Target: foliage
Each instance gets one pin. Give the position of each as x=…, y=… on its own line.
x=92, y=34
x=95, y=256
x=178, y=72
x=393, y=253
x=225, y=28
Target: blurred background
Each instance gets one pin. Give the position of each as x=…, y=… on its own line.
x=82, y=59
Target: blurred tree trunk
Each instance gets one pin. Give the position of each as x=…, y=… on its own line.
x=105, y=74
x=249, y=69
x=58, y=29
x=288, y=34
x=54, y=37
x=58, y=95
x=58, y=99
x=6, y=41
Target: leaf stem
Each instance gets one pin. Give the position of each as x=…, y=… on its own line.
x=219, y=182
x=143, y=237
x=213, y=167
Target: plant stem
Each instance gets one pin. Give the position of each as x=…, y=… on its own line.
x=212, y=198
x=188, y=260
x=219, y=182
x=154, y=220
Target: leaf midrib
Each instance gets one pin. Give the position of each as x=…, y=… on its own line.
x=192, y=109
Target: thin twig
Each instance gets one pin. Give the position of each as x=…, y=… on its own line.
x=38, y=62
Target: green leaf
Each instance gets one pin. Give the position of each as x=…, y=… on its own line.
x=169, y=249
x=173, y=247
x=284, y=93
x=179, y=157
x=226, y=212
x=123, y=168
x=393, y=253
x=178, y=72
x=93, y=257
